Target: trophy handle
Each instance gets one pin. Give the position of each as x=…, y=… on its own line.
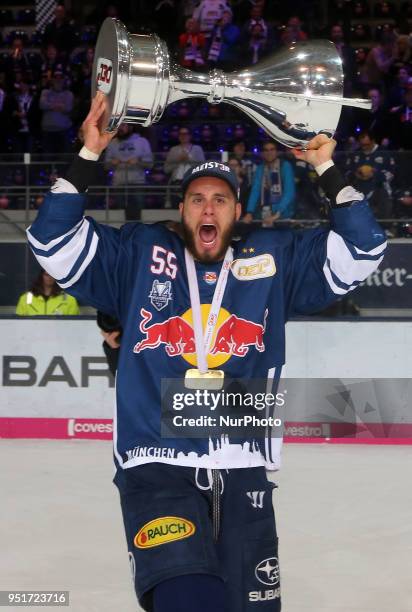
x=293, y=95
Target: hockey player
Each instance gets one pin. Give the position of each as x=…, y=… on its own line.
x=198, y=513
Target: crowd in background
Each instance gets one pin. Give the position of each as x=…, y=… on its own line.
x=45, y=82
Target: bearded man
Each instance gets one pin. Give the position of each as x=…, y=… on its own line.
x=195, y=305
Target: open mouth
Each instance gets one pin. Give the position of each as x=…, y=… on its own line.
x=208, y=234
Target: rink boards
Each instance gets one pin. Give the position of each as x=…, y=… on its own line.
x=56, y=384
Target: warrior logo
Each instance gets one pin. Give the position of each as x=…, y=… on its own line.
x=256, y=498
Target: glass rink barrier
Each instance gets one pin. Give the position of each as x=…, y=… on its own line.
x=118, y=199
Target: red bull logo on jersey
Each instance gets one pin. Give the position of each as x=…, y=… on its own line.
x=163, y=530
x=233, y=336
x=237, y=335
x=174, y=333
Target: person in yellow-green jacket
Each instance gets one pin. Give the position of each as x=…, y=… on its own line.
x=46, y=298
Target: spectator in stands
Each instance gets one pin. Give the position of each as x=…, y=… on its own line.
x=242, y=8
x=82, y=71
x=51, y=60
x=371, y=171
x=377, y=120
x=45, y=297
x=187, y=7
x=129, y=155
x=257, y=45
x=223, y=41
x=293, y=31
x=256, y=18
x=244, y=186
x=208, y=135
x=21, y=112
x=246, y=164
x=379, y=60
x=60, y=32
x=208, y=13
x=192, y=45
x=272, y=195
x=347, y=55
x=57, y=105
x=157, y=178
x=81, y=83
x=384, y=10
x=361, y=75
x=17, y=59
x=101, y=11
x=401, y=121
x=180, y=158
x=397, y=91
x=402, y=52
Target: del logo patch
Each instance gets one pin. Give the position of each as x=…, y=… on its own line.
x=253, y=268
x=163, y=530
x=104, y=75
x=160, y=294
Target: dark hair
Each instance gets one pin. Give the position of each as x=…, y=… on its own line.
x=368, y=133
x=375, y=88
x=37, y=286
x=268, y=141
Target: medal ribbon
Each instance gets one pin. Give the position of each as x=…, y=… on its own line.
x=202, y=341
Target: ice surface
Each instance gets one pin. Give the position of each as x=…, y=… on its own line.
x=343, y=513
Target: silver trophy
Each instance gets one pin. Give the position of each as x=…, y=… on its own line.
x=294, y=94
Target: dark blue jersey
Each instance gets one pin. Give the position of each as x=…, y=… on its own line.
x=138, y=275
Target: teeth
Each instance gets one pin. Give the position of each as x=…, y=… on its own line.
x=210, y=228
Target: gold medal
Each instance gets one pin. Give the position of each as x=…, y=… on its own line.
x=211, y=379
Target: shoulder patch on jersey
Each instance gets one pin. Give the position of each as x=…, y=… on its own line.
x=160, y=294
x=254, y=268
x=210, y=278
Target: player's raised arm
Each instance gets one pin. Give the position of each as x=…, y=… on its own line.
x=324, y=265
x=79, y=253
